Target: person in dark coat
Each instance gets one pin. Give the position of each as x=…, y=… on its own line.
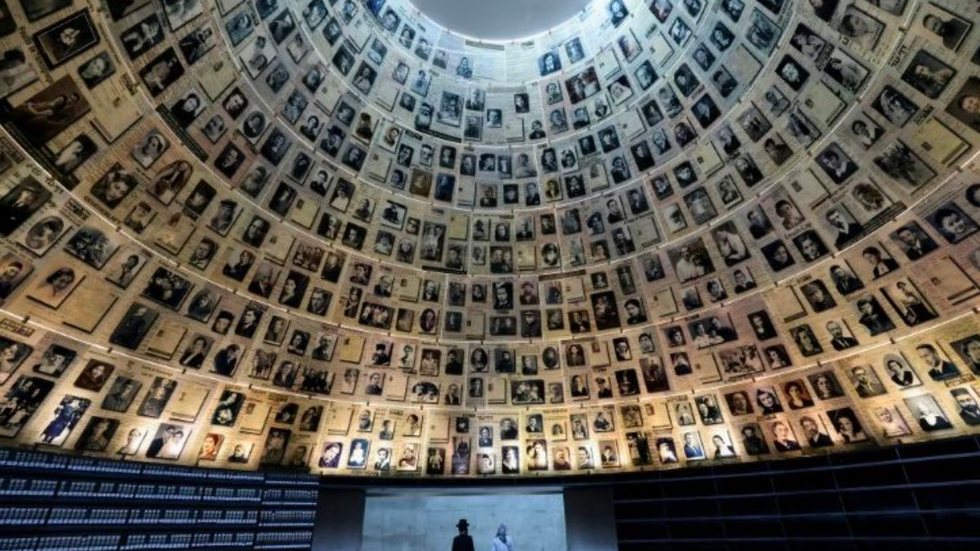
x=463, y=542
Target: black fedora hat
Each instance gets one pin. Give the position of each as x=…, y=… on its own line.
x=462, y=523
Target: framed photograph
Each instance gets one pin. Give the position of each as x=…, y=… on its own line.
x=12, y=355
x=965, y=106
x=943, y=26
x=91, y=246
x=904, y=165
x=161, y=72
x=68, y=105
x=860, y=29
x=97, y=434
x=169, y=440
x=895, y=106
x=66, y=39
x=952, y=222
x=56, y=286
x=29, y=393
x=97, y=69
x=846, y=71
x=928, y=412
x=150, y=148
x=119, y=9
x=94, y=376
x=927, y=74
x=134, y=326
x=55, y=360
x=196, y=44
x=143, y=36
x=906, y=298
x=16, y=72
x=63, y=420
x=181, y=12
x=114, y=186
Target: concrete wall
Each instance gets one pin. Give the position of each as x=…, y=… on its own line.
x=428, y=522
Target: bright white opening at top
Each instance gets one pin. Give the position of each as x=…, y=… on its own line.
x=499, y=19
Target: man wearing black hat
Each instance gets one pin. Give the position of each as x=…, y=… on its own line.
x=463, y=542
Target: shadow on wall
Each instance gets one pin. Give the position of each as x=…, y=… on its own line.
x=428, y=523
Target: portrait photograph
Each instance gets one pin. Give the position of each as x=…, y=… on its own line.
x=952, y=223
x=19, y=203
x=181, y=12
x=903, y=164
x=38, y=9
x=12, y=355
x=55, y=360
x=64, y=418
x=928, y=74
x=92, y=246
x=134, y=326
x=928, y=413
x=196, y=44
x=161, y=72
x=114, y=186
x=943, y=26
x=25, y=396
x=168, y=441
x=94, y=376
x=96, y=70
x=965, y=106
x=846, y=71
x=49, y=112
x=906, y=298
x=66, y=39
x=150, y=148
x=97, y=434
x=860, y=28
x=15, y=72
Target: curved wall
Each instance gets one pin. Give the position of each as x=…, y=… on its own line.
x=339, y=237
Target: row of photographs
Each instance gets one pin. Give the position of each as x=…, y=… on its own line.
x=182, y=418
x=835, y=309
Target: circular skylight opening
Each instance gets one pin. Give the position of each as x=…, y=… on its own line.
x=499, y=20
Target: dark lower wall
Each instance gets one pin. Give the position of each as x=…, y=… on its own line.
x=590, y=518
x=912, y=497
x=339, y=519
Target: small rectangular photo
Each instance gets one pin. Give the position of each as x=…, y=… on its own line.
x=965, y=106
x=168, y=441
x=16, y=72
x=63, y=420
x=39, y=127
x=927, y=74
x=96, y=70
x=12, y=355
x=52, y=289
x=862, y=30
x=161, y=72
x=97, y=434
x=928, y=412
x=67, y=38
x=943, y=26
x=181, y=12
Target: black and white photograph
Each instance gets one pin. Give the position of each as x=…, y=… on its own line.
x=66, y=39
x=96, y=70
x=48, y=112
